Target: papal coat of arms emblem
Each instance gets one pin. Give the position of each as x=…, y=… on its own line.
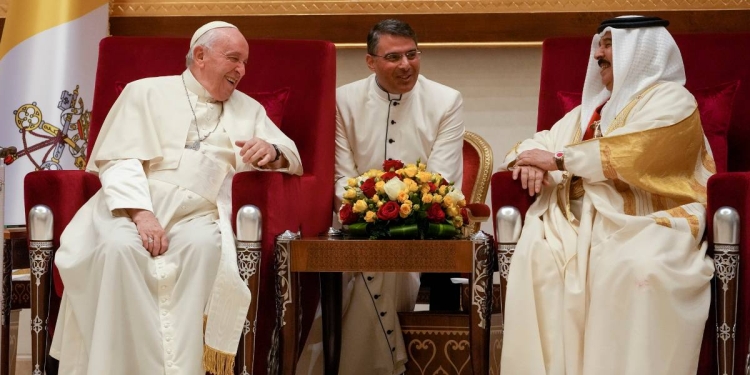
x=36, y=134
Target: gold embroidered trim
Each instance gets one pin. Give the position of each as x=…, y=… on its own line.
x=217, y=362
x=576, y=188
x=663, y=221
x=658, y=202
x=619, y=120
x=707, y=160
x=692, y=220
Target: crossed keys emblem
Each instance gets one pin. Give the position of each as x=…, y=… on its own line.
x=74, y=119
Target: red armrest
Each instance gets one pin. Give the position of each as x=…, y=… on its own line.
x=286, y=203
x=508, y=192
x=64, y=192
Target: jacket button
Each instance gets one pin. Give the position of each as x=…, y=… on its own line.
x=369, y=278
x=377, y=296
x=393, y=349
x=393, y=122
x=395, y=103
x=382, y=313
x=391, y=140
x=389, y=331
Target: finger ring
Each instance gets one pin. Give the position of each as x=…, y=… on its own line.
x=151, y=239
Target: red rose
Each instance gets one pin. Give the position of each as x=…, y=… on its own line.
x=346, y=215
x=394, y=165
x=443, y=181
x=465, y=215
x=368, y=187
x=387, y=176
x=435, y=214
x=388, y=211
x=432, y=187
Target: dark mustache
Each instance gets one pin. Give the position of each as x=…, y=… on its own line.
x=602, y=61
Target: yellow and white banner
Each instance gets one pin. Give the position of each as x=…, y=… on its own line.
x=48, y=56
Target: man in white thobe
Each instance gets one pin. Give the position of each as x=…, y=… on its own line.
x=393, y=114
x=610, y=275
x=149, y=264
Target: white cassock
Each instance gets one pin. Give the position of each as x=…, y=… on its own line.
x=124, y=311
x=615, y=281
x=372, y=126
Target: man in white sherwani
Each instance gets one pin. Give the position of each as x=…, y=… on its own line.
x=610, y=275
x=394, y=113
x=149, y=264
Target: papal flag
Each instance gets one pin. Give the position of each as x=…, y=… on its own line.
x=48, y=55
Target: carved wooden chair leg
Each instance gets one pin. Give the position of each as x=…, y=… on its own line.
x=507, y=232
x=249, y=225
x=40, y=258
x=727, y=260
x=284, y=346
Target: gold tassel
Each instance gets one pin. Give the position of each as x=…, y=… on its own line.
x=217, y=362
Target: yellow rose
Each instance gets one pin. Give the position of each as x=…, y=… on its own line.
x=415, y=207
x=410, y=170
x=403, y=195
x=410, y=203
x=379, y=187
x=352, y=182
x=350, y=194
x=360, y=206
x=422, y=166
x=376, y=198
x=451, y=211
x=424, y=189
x=372, y=173
x=448, y=201
x=405, y=210
x=424, y=177
x=443, y=189
x=458, y=221
x=411, y=184
x=370, y=216
x=380, y=204
x=437, y=198
x=427, y=198
x=462, y=203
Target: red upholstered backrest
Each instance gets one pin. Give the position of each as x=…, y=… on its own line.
x=717, y=74
x=471, y=169
x=274, y=67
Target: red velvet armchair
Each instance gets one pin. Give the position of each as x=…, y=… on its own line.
x=719, y=78
x=295, y=82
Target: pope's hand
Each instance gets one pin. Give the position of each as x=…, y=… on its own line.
x=152, y=234
x=532, y=178
x=256, y=152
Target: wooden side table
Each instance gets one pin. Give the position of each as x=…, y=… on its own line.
x=331, y=256
x=17, y=294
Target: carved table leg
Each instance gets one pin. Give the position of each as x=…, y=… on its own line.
x=727, y=261
x=40, y=258
x=286, y=337
x=249, y=229
x=481, y=304
x=330, y=296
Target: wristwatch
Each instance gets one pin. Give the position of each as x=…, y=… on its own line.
x=560, y=160
x=278, y=153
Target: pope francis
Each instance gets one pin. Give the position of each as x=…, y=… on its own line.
x=149, y=264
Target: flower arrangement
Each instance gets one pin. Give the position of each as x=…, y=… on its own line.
x=402, y=201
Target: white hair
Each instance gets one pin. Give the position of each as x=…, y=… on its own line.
x=206, y=40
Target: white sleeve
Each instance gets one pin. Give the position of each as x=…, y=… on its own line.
x=125, y=185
